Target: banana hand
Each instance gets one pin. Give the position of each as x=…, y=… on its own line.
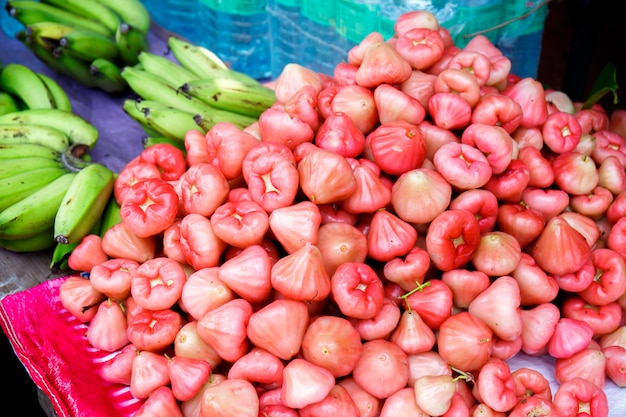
x=88, y=45
x=152, y=87
x=28, y=12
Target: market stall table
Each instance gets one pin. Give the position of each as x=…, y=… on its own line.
x=119, y=142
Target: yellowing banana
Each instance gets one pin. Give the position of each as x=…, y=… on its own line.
x=83, y=203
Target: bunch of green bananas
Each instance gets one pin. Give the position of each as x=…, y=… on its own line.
x=192, y=91
x=89, y=41
x=50, y=191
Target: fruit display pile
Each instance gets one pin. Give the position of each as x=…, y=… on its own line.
x=376, y=243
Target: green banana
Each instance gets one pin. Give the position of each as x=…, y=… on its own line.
x=8, y=104
x=132, y=12
x=152, y=87
x=24, y=83
x=89, y=9
x=28, y=12
x=232, y=95
x=207, y=119
x=167, y=69
x=157, y=140
x=77, y=129
x=64, y=64
x=39, y=242
x=88, y=45
x=83, y=203
x=35, y=213
x=20, y=186
x=32, y=133
x=110, y=216
x=60, y=255
x=165, y=120
x=26, y=150
x=195, y=58
x=12, y=167
x=60, y=97
x=62, y=251
x=130, y=41
x=48, y=30
x=203, y=62
x=108, y=76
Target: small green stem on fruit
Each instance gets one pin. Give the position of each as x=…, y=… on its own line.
x=90, y=306
x=462, y=375
x=598, y=276
x=419, y=287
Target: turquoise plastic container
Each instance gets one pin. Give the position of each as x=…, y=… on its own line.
x=520, y=40
x=178, y=16
x=285, y=33
x=355, y=20
x=10, y=26
x=473, y=17
x=238, y=32
x=322, y=45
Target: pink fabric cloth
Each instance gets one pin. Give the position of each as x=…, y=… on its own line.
x=52, y=345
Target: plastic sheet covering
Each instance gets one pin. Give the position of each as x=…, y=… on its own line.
x=52, y=345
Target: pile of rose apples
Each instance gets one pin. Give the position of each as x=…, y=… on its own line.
x=380, y=243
